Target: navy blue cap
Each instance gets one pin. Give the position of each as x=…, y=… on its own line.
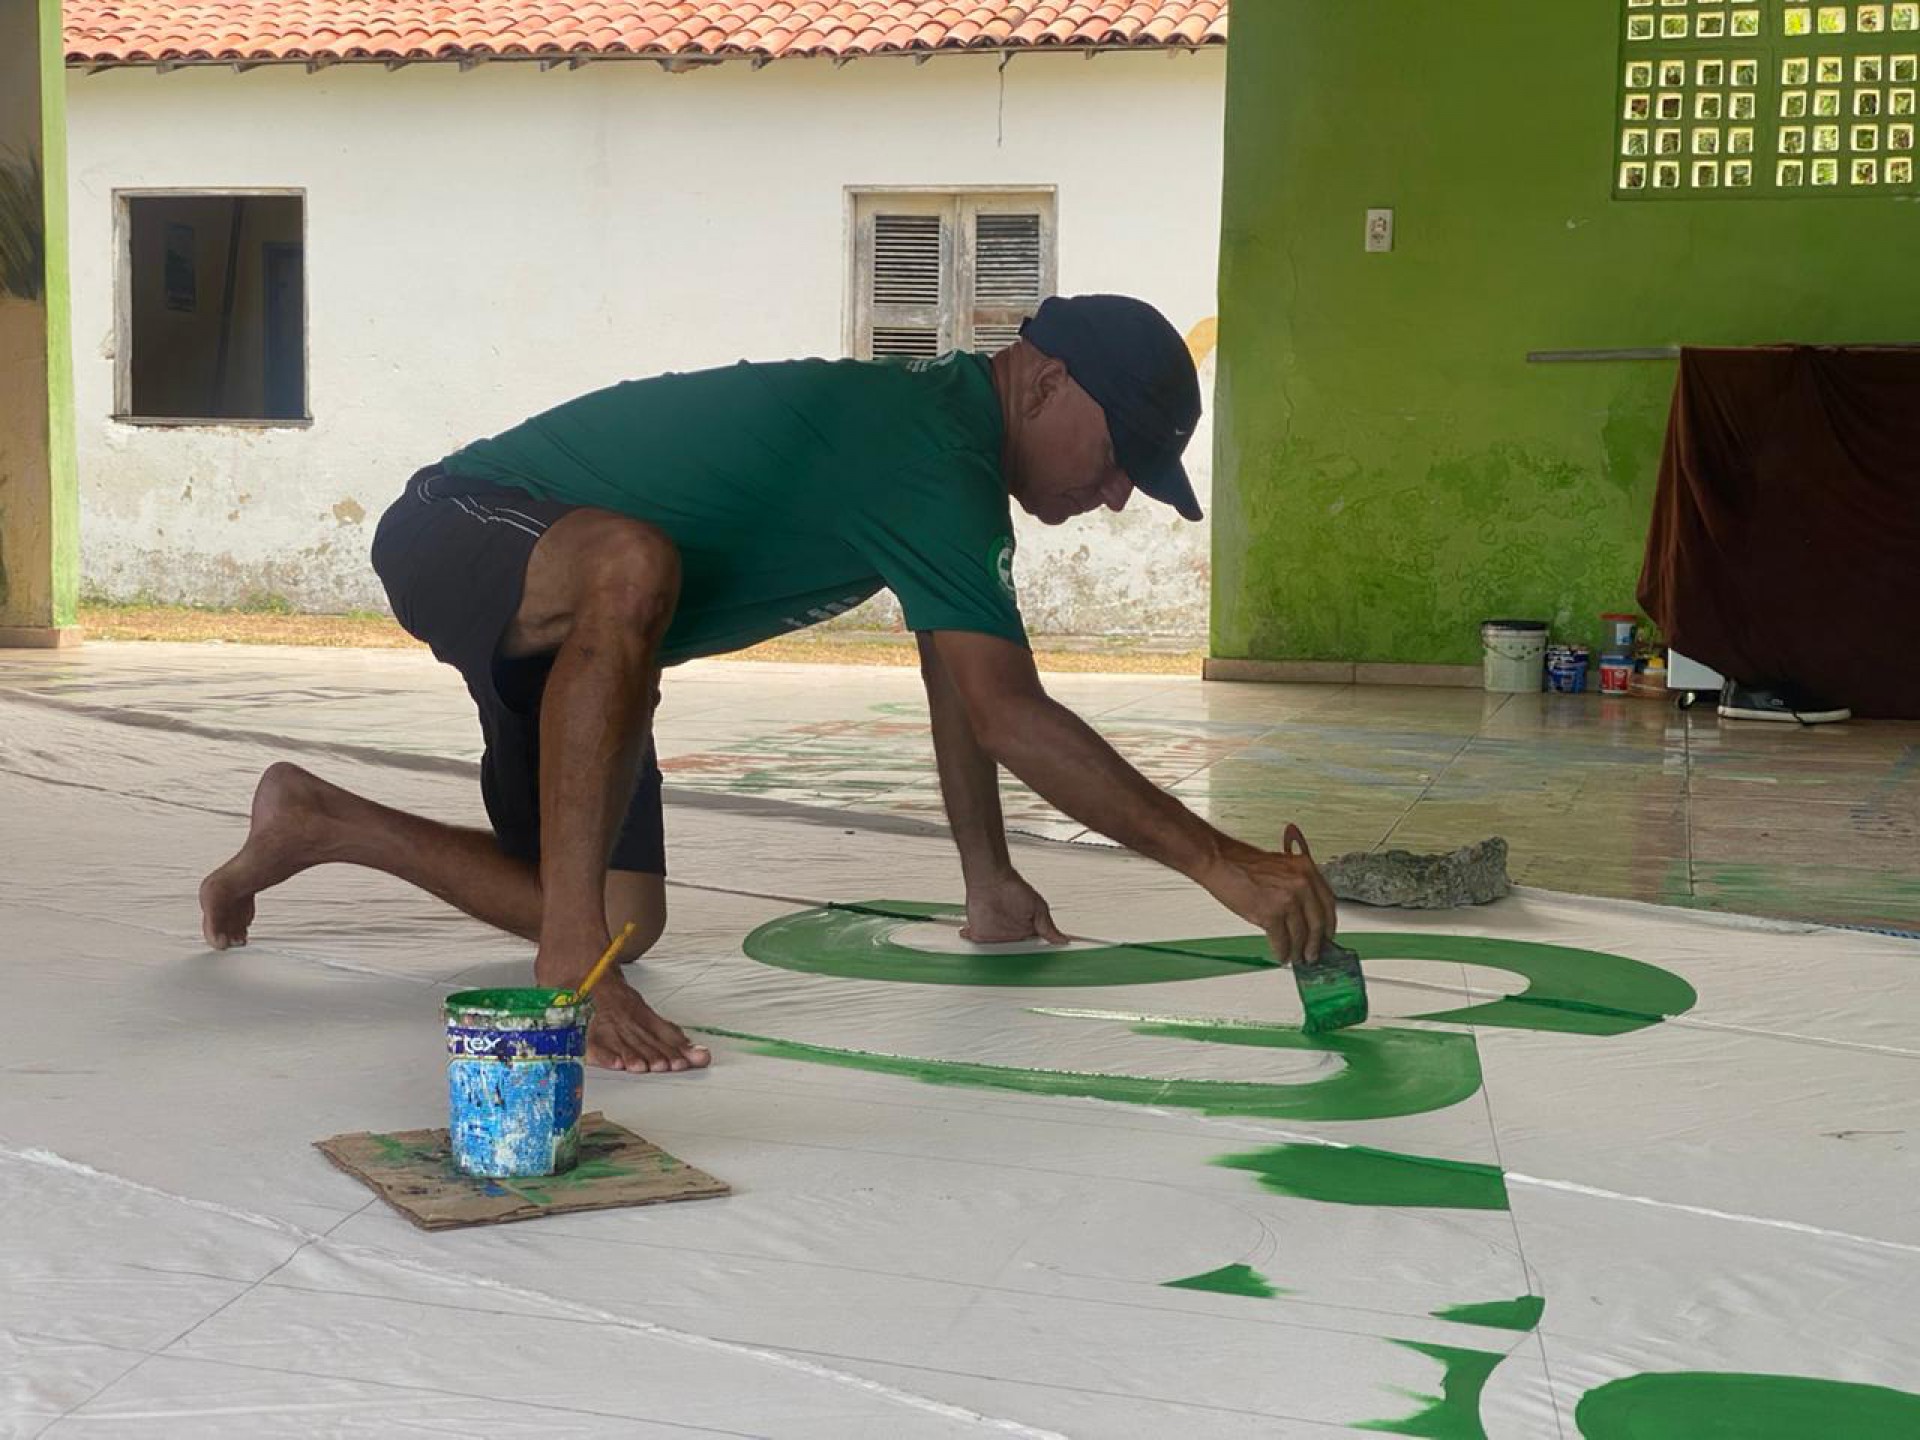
x=1129, y=358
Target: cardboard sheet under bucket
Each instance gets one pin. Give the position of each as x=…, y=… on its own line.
x=413, y=1172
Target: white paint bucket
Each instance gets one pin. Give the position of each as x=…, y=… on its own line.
x=1515, y=655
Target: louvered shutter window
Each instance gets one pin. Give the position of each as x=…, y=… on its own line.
x=1009, y=276
x=908, y=285
x=935, y=272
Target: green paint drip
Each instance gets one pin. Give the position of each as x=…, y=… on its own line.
x=1569, y=990
x=1453, y=1414
x=1231, y=1280
x=1709, y=1406
x=586, y=1172
x=1356, y=1175
x=1521, y=1314
x=1388, y=1072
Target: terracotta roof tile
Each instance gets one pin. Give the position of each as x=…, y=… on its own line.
x=136, y=32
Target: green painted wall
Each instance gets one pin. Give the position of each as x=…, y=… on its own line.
x=39, y=537
x=63, y=465
x=1389, y=470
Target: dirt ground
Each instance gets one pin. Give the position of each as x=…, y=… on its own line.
x=1059, y=654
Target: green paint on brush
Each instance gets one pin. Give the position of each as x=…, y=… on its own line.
x=1521, y=1314
x=1356, y=1175
x=1685, y=1405
x=1453, y=1414
x=1231, y=1280
x=1387, y=1072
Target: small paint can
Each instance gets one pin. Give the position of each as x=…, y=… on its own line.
x=1622, y=631
x=515, y=1077
x=1616, y=674
x=1567, y=669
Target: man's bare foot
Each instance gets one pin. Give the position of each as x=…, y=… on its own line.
x=286, y=835
x=628, y=1034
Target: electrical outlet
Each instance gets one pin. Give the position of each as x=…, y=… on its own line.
x=1379, y=231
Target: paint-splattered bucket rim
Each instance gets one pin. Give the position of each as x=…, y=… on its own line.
x=522, y=1005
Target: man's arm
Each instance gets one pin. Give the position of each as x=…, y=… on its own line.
x=1068, y=764
x=1000, y=905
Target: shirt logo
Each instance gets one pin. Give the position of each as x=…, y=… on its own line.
x=1001, y=558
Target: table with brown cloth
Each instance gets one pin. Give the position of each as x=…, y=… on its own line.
x=1785, y=540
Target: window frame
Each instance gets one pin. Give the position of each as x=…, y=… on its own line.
x=957, y=200
x=122, y=199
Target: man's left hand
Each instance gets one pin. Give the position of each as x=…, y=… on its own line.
x=1008, y=909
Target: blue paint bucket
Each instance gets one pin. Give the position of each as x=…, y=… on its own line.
x=1567, y=669
x=514, y=1081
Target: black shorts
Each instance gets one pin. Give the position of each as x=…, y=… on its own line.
x=453, y=555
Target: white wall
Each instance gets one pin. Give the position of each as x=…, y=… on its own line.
x=483, y=245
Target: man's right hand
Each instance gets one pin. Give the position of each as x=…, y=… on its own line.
x=625, y=1033
x=1282, y=891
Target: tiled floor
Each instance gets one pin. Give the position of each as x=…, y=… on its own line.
x=1628, y=798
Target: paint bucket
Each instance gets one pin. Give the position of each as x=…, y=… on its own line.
x=1515, y=653
x=514, y=1081
x=1622, y=630
x=1567, y=669
x=1616, y=674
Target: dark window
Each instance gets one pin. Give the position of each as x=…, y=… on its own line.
x=217, y=307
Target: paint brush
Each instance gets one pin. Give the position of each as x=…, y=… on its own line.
x=599, y=969
x=1333, y=992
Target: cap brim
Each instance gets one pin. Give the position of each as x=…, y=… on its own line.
x=1167, y=482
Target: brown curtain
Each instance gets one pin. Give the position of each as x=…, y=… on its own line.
x=1785, y=542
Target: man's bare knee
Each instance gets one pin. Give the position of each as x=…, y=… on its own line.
x=593, y=566
x=631, y=575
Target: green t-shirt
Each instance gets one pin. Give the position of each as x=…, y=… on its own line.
x=793, y=490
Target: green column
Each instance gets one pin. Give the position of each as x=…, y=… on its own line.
x=39, y=501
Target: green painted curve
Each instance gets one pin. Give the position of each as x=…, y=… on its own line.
x=855, y=942
x=1692, y=1405
x=1582, y=992
x=1356, y=1175
x=1568, y=990
x=1387, y=1072
x=1453, y=1414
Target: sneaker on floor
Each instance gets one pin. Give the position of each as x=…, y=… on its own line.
x=1784, y=701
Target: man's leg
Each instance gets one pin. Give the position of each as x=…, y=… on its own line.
x=300, y=821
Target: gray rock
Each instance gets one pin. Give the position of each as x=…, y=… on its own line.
x=1472, y=875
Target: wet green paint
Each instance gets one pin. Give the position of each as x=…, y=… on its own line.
x=1231, y=1280
x=529, y=1000
x=1387, y=1072
x=1521, y=1314
x=1453, y=1414
x=1356, y=1175
x=1569, y=990
x=1586, y=992
x=856, y=942
x=1691, y=1405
